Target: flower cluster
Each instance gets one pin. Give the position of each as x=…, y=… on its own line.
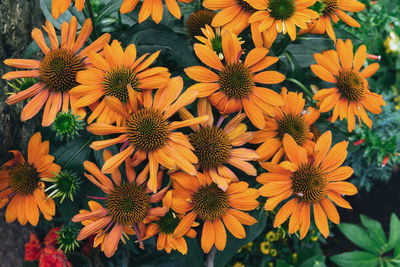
x=174, y=157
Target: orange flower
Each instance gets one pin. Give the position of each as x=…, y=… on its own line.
x=126, y=205
x=32, y=248
x=291, y=118
x=198, y=20
x=275, y=16
x=118, y=78
x=56, y=71
x=58, y=7
x=199, y=197
x=234, y=15
x=234, y=86
x=148, y=134
x=212, y=38
x=214, y=145
x=20, y=184
x=334, y=9
x=153, y=8
x=312, y=181
x=165, y=226
x=350, y=97
x=52, y=257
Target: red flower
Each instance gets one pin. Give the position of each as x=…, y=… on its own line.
x=51, y=237
x=32, y=248
x=51, y=257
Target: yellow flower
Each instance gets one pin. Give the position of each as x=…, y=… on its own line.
x=239, y=264
x=274, y=252
x=265, y=247
x=270, y=236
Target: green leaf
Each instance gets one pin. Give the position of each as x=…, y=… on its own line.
x=356, y=259
x=282, y=263
x=109, y=9
x=394, y=237
x=45, y=5
x=195, y=256
x=316, y=261
x=30, y=264
x=233, y=244
x=375, y=231
x=359, y=236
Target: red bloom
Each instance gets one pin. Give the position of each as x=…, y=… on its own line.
x=51, y=237
x=51, y=257
x=32, y=248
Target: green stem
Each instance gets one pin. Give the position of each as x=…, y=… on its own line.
x=91, y=14
x=299, y=84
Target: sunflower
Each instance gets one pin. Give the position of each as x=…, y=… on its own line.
x=334, y=10
x=118, y=79
x=20, y=184
x=350, y=97
x=234, y=15
x=291, y=118
x=214, y=145
x=58, y=7
x=165, y=226
x=310, y=181
x=198, y=197
x=274, y=16
x=153, y=8
x=56, y=71
x=233, y=87
x=147, y=134
x=198, y=20
x=127, y=204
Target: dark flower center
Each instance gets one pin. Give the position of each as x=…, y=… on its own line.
x=24, y=179
x=236, y=80
x=59, y=68
x=168, y=222
x=351, y=85
x=295, y=126
x=116, y=81
x=210, y=202
x=330, y=7
x=281, y=9
x=198, y=20
x=309, y=183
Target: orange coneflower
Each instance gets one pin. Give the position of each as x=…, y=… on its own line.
x=127, y=204
x=199, y=197
x=118, y=79
x=274, y=16
x=350, y=96
x=234, y=86
x=56, y=71
x=311, y=181
x=234, y=15
x=334, y=9
x=214, y=145
x=147, y=133
x=153, y=8
x=165, y=226
x=58, y=7
x=20, y=184
x=291, y=118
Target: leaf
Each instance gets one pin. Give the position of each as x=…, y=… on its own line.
x=316, y=261
x=30, y=264
x=233, y=244
x=45, y=5
x=356, y=259
x=375, y=231
x=359, y=236
x=394, y=236
x=195, y=256
x=282, y=263
x=108, y=9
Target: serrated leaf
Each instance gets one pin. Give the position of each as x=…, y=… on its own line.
x=359, y=236
x=233, y=244
x=375, y=231
x=316, y=261
x=394, y=236
x=356, y=259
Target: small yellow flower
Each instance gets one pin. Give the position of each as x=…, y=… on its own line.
x=239, y=264
x=295, y=257
x=265, y=247
x=274, y=252
x=314, y=236
x=271, y=264
x=270, y=236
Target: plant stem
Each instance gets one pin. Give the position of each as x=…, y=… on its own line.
x=299, y=84
x=91, y=14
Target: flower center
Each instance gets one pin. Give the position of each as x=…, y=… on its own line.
x=351, y=85
x=59, y=68
x=128, y=204
x=198, y=20
x=24, y=179
x=281, y=9
x=295, y=126
x=330, y=7
x=217, y=44
x=211, y=146
x=236, y=80
x=116, y=81
x=168, y=223
x=309, y=183
x=147, y=129
x=210, y=202
x=246, y=7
